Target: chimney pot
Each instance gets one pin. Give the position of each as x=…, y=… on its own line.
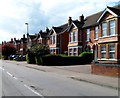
x=69, y=21
x=81, y=18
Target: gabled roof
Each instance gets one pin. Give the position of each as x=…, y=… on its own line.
x=60, y=29
x=76, y=23
x=113, y=11
x=17, y=41
x=92, y=19
x=44, y=35
x=24, y=40
x=32, y=36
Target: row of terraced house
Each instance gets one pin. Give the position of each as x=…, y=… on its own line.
x=98, y=33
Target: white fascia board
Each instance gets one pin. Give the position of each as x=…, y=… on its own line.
x=106, y=10
x=71, y=26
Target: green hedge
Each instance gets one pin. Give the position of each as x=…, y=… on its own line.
x=38, y=60
x=56, y=60
x=30, y=58
x=59, y=60
x=87, y=57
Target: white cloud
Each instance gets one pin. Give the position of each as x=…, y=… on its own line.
x=42, y=13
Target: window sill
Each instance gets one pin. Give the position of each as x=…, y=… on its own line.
x=108, y=59
x=96, y=39
x=107, y=36
x=73, y=42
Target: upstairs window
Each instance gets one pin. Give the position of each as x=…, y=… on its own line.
x=111, y=51
x=112, y=27
x=88, y=35
x=104, y=29
x=103, y=51
x=74, y=36
x=96, y=32
x=71, y=36
x=54, y=39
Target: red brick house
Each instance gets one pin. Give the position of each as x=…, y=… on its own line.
x=98, y=33
x=42, y=37
x=31, y=40
x=75, y=45
x=58, y=39
x=23, y=45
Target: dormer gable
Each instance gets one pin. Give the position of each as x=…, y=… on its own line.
x=113, y=11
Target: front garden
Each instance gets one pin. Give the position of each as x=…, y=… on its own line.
x=40, y=55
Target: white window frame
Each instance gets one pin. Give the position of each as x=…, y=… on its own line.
x=103, y=51
x=112, y=27
x=104, y=29
x=75, y=52
x=54, y=39
x=71, y=36
x=74, y=36
x=96, y=32
x=70, y=51
x=112, y=51
x=88, y=35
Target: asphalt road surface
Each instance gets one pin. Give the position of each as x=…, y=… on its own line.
x=17, y=80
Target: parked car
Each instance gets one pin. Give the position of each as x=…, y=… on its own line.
x=21, y=58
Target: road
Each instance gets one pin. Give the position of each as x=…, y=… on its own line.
x=19, y=80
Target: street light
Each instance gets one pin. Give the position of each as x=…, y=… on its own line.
x=27, y=27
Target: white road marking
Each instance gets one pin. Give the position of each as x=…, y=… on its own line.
x=15, y=78
x=33, y=90
x=9, y=74
x=2, y=68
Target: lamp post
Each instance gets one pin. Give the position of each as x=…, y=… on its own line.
x=27, y=27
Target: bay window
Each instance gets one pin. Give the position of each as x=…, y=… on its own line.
x=111, y=51
x=104, y=29
x=112, y=27
x=103, y=51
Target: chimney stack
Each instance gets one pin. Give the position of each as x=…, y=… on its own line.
x=40, y=32
x=11, y=39
x=23, y=35
x=14, y=39
x=69, y=21
x=47, y=30
x=81, y=18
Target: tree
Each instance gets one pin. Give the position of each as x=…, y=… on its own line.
x=36, y=52
x=39, y=50
x=8, y=49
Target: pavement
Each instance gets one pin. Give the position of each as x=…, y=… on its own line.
x=77, y=72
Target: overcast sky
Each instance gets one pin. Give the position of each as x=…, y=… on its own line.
x=43, y=13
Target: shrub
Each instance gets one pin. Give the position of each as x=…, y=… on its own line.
x=8, y=49
x=38, y=60
x=39, y=50
x=35, y=54
x=30, y=58
x=51, y=60
x=56, y=60
x=87, y=57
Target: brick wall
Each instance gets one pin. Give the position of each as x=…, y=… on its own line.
x=105, y=70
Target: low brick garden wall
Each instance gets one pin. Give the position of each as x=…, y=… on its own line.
x=106, y=69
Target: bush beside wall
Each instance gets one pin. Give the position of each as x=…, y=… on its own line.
x=30, y=58
x=59, y=60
